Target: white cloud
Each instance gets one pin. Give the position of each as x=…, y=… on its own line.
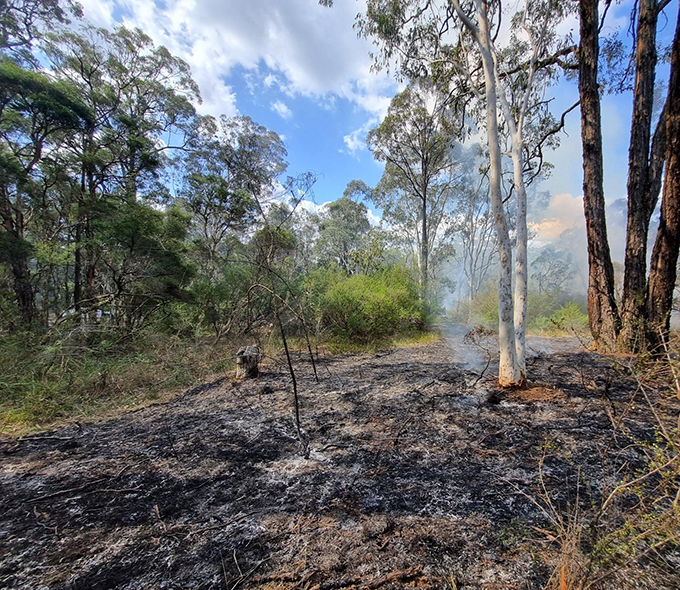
x=356, y=140
x=281, y=109
x=374, y=219
x=298, y=46
x=99, y=12
x=270, y=80
x=310, y=206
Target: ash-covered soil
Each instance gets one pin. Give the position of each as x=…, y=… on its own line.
x=419, y=474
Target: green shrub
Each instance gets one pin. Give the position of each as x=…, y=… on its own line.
x=485, y=307
x=366, y=308
x=570, y=318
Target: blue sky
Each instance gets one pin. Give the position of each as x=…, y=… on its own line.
x=300, y=70
x=291, y=65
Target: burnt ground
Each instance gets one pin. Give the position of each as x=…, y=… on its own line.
x=419, y=474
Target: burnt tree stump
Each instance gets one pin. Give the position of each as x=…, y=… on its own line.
x=247, y=361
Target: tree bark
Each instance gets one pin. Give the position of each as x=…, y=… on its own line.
x=23, y=289
x=13, y=223
x=521, y=263
x=424, y=253
x=662, y=276
x=603, y=314
x=509, y=373
x=641, y=202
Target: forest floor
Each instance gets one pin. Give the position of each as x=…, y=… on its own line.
x=419, y=474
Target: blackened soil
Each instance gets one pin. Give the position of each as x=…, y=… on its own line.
x=417, y=469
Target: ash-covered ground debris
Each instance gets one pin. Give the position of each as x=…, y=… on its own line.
x=415, y=478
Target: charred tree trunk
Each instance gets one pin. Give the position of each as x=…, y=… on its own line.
x=641, y=196
x=247, y=362
x=662, y=275
x=603, y=314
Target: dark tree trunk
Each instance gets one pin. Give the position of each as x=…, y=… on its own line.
x=78, y=266
x=23, y=288
x=662, y=274
x=602, y=311
x=641, y=199
x=17, y=255
x=424, y=252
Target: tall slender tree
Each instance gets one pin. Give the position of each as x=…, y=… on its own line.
x=416, y=141
x=603, y=314
x=646, y=154
x=662, y=277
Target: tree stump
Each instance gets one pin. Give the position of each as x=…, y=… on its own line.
x=247, y=360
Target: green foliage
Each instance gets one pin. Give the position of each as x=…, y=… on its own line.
x=43, y=384
x=571, y=318
x=271, y=243
x=365, y=309
x=550, y=314
x=344, y=225
x=30, y=93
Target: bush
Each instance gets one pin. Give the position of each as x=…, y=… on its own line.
x=550, y=314
x=570, y=318
x=366, y=308
x=44, y=384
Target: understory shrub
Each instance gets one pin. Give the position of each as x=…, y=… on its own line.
x=71, y=379
x=366, y=308
x=547, y=313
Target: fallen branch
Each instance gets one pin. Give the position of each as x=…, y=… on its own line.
x=68, y=491
x=412, y=572
x=337, y=584
x=249, y=573
x=116, y=491
x=225, y=524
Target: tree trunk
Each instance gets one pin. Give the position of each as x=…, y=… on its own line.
x=78, y=265
x=659, y=302
x=17, y=254
x=247, y=362
x=640, y=203
x=424, y=255
x=603, y=314
x=521, y=278
x=23, y=288
x=508, y=370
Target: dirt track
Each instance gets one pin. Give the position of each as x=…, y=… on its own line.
x=415, y=478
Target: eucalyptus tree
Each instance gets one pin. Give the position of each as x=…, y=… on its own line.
x=343, y=228
x=663, y=272
x=473, y=227
x=257, y=157
x=612, y=327
x=141, y=99
x=22, y=22
x=552, y=270
x=521, y=89
x=221, y=210
x=646, y=155
x=35, y=111
x=455, y=44
x=416, y=141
